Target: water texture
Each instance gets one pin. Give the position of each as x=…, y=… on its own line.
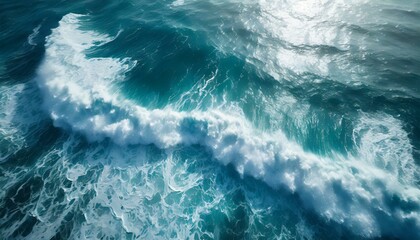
x=211, y=119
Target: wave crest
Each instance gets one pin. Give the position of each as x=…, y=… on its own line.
x=80, y=94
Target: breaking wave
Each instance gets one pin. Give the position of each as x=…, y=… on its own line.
x=372, y=192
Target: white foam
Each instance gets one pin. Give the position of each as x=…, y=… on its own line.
x=115, y=200
x=19, y=114
x=9, y=133
x=80, y=94
x=34, y=35
x=381, y=140
x=178, y=3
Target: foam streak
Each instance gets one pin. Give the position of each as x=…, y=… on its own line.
x=79, y=93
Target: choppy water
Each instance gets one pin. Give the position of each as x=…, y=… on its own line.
x=211, y=119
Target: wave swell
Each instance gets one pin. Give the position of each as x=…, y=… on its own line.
x=81, y=94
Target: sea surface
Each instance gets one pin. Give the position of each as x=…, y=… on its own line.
x=210, y=119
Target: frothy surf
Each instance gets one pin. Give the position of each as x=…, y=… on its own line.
x=366, y=192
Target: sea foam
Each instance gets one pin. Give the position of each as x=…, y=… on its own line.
x=81, y=95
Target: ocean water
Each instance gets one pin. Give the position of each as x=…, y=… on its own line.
x=210, y=119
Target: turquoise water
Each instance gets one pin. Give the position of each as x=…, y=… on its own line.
x=212, y=119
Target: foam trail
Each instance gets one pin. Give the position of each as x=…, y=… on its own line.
x=32, y=37
x=19, y=123
x=80, y=94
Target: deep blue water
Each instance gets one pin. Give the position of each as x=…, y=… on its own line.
x=211, y=119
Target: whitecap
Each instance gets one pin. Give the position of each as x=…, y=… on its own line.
x=80, y=95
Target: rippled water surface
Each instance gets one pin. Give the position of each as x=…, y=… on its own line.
x=210, y=119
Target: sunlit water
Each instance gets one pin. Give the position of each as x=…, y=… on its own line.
x=209, y=119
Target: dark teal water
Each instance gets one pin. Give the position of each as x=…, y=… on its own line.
x=210, y=119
